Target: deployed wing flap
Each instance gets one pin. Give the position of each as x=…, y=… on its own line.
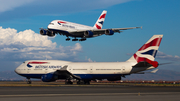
x=65, y=72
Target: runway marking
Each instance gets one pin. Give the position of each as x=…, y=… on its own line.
x=92, y=94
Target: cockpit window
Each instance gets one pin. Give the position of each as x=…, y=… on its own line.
x=23, y=62
x=51, y=23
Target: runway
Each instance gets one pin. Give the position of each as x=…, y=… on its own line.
x=90, y=93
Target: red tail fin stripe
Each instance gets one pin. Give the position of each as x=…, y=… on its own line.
x=102, y=16
x=98, y=27
x=141, y=59
x=155, y=42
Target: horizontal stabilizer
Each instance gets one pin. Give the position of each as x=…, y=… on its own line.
x=154, y=71
x=142, y=64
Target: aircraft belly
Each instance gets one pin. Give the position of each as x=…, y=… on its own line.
x=97, y=76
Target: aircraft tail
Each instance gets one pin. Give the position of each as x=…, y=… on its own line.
x=146, y=54
x=100, y=21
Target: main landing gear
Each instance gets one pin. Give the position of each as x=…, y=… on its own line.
x=68, y=39
x=68, y=82
x=79, y=82
x=29, y=81
x=75, y=39
x=83, y=39
x=83, y=82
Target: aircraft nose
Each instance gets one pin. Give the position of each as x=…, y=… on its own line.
x=18, y=69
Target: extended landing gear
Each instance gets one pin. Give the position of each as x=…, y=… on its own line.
x=83, y=82
x=68, y=39
x=68, y=82
x=75, y=39
x=83, y=39
x=29, y=81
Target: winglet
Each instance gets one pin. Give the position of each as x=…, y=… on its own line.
x=148, y=51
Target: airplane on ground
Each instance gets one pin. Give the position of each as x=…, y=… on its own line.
x=75, y=30
x=84, y=72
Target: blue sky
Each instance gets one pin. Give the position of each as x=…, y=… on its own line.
x=20, y=21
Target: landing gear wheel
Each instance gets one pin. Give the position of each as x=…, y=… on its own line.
x=68, y=39
x=83, y=39
x=68, y=82
x=87, y=82
x=75, y=39
x=29, y=81
x=83, y=82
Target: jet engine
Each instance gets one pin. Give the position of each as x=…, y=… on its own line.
x=50, y=33
x=49, y=77
x=109, y=32
x=46, y=32
x=43, y=32
x=88, y=34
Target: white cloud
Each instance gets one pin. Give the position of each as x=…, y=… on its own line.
x=6, y=5
x=161, y=55
x=30, y=45
x=10, y=36
x=89, y=60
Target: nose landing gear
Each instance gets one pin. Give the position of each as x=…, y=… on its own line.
x=29, y=81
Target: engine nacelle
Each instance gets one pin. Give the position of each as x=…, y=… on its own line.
x=49, y=77
x=46, y=32
x=43, y=32
x=50, y=33
x=88, y=34
x=109, y=32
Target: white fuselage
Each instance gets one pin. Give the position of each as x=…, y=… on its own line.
x=68, y=26
x=97, y=70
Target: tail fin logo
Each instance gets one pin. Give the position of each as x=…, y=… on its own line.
x=147, y=52
x=102, y=16
x=100, y=21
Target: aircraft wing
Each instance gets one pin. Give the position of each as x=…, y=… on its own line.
x=117, y=29
x=63, y=71
x=97, y=32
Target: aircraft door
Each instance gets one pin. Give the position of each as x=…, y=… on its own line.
x=46, y=70
x=91, y=70
x=69, y=68
x=28, y=70
x=123, y=69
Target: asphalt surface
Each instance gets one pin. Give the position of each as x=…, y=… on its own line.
x=90, y=93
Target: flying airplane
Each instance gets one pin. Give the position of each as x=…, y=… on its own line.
x=84, y=72
x=75, y=30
